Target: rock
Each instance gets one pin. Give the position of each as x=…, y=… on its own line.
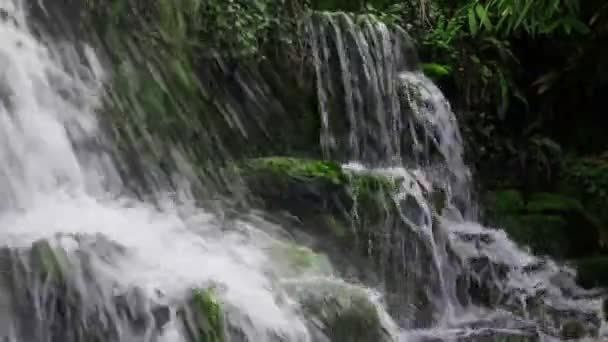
x=321, y=193
x=372, y=226
x=340, y=311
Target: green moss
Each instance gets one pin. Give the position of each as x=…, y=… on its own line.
x=297, y=168
x=364, y=183
x=209, y=316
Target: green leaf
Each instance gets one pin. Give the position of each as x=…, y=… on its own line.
x=472, y=21
x=435, y=70
x=482, y=14
x=523, y=14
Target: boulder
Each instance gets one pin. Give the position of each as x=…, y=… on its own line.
x=371, y=225
x=341, y=312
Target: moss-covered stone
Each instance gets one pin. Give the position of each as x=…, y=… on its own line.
x=548, y=223
x=321, y=193
x=368, y=224
x=342, y=312
x=204, y=317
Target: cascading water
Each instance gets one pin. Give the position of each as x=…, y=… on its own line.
x=480, y=285
x=81, y=262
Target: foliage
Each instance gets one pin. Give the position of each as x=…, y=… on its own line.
x=519, y=70
x=587, y=180
x=589, y=176
x=549, y=223
x=436, y=71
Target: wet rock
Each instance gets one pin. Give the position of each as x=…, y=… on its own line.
x=58, y=295
x=364, y=222
x=341, y=312
x=141, y=310
x=484, y=279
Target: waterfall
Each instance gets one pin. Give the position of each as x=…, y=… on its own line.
x=83, y=261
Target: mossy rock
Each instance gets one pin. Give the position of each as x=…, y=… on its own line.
x=321, y=193
x=367, y=223
x=342, y=312
x=548, y=223
x=203, y=317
